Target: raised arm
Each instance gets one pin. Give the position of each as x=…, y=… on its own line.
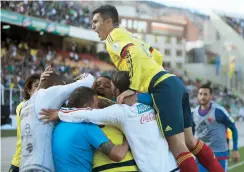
x=112, y=115
x=62, y=92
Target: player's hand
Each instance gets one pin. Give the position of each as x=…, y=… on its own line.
x=130, y=100
x=235, y=156
x=49, y=115
x=122, y=96
x=46, y=73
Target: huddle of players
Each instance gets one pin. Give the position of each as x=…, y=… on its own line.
x=145, y=74
x=37, y=152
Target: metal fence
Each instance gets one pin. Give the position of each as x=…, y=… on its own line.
x=11, y=97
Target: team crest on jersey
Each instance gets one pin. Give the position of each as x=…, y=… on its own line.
x=210, y=120
x=116, y=46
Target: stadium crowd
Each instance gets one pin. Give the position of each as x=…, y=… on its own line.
x=79, y=14
x=19, y=60
x=65, y=12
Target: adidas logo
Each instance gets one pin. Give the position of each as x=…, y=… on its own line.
x=168, y=128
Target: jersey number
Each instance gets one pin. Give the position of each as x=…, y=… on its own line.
x=148, y=53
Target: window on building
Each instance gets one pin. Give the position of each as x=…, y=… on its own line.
x=167, y=39
x=179, y=53
x=167, y=52
x=179, y=65
x=129, y=24
x=179, y=40
x=166, y=65
x=217, y=36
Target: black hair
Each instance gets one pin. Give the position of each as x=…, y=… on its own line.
x=108, y=11
x=121, y=80
x=80, y=97
x=104, y=76
x=206, y=86
x=28, y=84
x=51, y=80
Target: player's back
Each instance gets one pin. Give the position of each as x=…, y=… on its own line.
x=149, y=148
x=36, y=136
x=72, y=150
x=138, y=59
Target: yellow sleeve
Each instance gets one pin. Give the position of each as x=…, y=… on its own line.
x=158, y=57
x=125, y=49
x=17, y=155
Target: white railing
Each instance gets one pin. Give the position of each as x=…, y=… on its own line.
x=11, y=97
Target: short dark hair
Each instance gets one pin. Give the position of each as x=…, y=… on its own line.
x=207, y=86
x=51, y=80
x=28, y=84
x=108, y=11
x=80, y=97
x=121, y=80
x=104, y=76
x=227, y=106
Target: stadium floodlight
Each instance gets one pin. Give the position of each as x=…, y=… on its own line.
x=6, y=26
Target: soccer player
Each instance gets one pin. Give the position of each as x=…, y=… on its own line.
x=73, y=145
x=30, y=86
x=150, y=150
x=100, y=162
x=36, y=136
x=169, y=95
x=211, y=121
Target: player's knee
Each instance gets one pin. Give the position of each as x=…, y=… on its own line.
x=191, y=143
x=177, y=144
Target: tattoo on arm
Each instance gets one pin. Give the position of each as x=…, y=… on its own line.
x=106, y=147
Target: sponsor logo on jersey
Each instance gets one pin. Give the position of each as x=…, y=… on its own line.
x=143, y=108
x=147, y=118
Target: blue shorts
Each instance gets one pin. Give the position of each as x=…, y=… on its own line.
x=171, y=101
x=222, y=158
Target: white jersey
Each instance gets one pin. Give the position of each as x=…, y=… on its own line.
x=150, y=150
x=37, y=136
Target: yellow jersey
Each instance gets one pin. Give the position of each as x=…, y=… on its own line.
x=132, y=54
x=156, y=55
x=99, y=160
x=17, y=155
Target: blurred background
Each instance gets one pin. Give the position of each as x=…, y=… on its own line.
x=201, y=42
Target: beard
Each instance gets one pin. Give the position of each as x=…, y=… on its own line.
x=204, y=102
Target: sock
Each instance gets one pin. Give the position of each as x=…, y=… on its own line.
x=186, y=162
x=207, y=158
